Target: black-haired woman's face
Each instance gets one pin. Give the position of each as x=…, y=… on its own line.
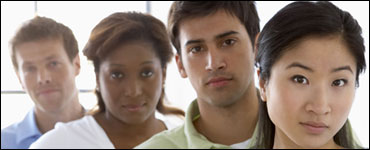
x=130, y=81
x=310, y=92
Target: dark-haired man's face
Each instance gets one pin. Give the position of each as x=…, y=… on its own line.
x=217, y=56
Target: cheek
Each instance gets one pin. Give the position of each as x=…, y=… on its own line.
x=108, y=90
x=283, y=103
x=153, y=88
x=66, y=77
x=194, y=69
x=29, y=81
x=341, y=104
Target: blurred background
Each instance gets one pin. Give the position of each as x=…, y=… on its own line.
x=81, y=17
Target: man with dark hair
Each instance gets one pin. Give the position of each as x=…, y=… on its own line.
x=214, y=43
x=45, y=58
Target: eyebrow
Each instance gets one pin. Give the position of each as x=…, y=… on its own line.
x=146, y=62
x=299, y=65
x=47, y=59
x=296, y=64
x=193, y=41
x=216, y=37
x=122, y=65
x=348, y=68
x=225, y=34
x=50, y=57
x=117, y=65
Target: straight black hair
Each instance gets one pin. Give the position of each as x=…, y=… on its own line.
x=290, y=26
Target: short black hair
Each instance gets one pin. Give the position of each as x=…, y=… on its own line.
x=245, y=11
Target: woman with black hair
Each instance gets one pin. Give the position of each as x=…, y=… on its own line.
x=309, y=58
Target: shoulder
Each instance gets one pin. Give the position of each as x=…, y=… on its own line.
x=171, y=121
x=8, y=136
x=20, y=134
x=80, y=133
x=174, y=138
x=9, y=131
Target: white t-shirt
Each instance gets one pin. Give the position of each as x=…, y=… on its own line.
x=241, y=145
x=86, y=133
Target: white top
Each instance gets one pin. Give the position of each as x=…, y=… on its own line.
x=241, y=145
x=86, y=133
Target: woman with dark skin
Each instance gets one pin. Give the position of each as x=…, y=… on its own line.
x=130, y=52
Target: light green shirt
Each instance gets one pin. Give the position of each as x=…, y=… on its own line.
x=184, y=136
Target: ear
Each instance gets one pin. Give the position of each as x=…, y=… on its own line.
x=97, y=82
x=19, y=79
x=255, y=45
x=77, y=65
x=263, y=86
x=180, y=66
x=164, y=74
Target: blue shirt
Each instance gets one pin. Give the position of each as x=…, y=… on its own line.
x=22, y=134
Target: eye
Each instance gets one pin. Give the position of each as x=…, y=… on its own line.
x=196, y=49
x=116, y=75
x=29, y=68
x=340, y=82
x=228, y=42
x=53, y=63
x=300, y=79
x=147, y=73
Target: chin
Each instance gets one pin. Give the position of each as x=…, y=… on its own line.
x=222, y=102
x=312, y=143
x=134, y=119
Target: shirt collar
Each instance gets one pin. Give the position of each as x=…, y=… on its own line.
x=27, y=128
x=194, y=138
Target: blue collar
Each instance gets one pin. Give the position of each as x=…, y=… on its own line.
x=27, y=128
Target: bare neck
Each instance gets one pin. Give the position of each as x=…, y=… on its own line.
x=46, y=120
x=125, y=135
x=229, y=125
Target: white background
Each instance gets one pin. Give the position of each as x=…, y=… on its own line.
x=81, y=17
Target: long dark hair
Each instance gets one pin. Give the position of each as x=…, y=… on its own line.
x=288, y=27
x=119, y=28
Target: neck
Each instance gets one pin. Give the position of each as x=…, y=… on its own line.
x=128, y=129
x=229, y=125
x=46, y=120
x=126, y=135
x=281, y=141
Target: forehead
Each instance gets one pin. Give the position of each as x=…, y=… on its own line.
x=132, y=52
x=39, y=50
x=208, y=26
x=320, y=52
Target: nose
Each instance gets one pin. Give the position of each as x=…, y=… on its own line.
x=319, y=103
x=133, y=88
x=44, y=76
x=215, y=61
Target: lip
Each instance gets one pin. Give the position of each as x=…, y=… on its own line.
x=314, y=127
x=46, y=91
x=218, y=81
x=133, y=107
